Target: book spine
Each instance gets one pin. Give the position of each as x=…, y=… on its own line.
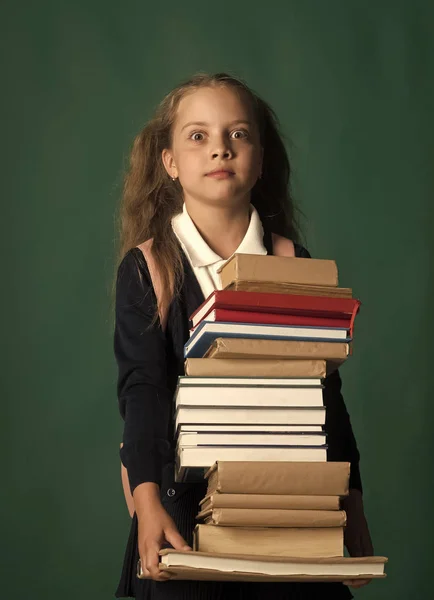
x=268, y=318
x=277, y=349
x=317, y=542
x=288, y=270
x=258, y=517
x=328, y=479
x=270, y=501
x=204, y=367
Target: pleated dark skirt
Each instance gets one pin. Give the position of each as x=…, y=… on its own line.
x=181, y=501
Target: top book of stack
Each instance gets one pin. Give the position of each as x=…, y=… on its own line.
x=278, y=271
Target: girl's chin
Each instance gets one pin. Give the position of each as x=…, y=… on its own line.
x=226, y=194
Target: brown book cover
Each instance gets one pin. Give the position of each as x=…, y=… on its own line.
x=288, y=288
x=271, y=517
x=275, y=501
x=251, y=367
x=232, y=567
x=299, y=478
x=279, y=269
x=317, y=542
x=236, y=348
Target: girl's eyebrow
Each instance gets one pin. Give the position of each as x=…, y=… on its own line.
x=203, y=124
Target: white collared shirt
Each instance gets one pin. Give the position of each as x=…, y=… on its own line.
x=204, y=261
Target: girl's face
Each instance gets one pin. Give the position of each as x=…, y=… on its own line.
x=216, y=151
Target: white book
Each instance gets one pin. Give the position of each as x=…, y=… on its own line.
x=185, y=380
x=251, y=439
x=196, y=459
x=251, y=428
x=250, y=415
x=248, y=396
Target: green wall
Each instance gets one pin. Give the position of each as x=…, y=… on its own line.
x=352, y=84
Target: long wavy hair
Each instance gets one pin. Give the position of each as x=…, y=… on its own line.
x=150, y=197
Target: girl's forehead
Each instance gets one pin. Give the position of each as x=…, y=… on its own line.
x=210, y=104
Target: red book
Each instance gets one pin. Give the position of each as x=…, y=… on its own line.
x=245, y=316
x=286, y=304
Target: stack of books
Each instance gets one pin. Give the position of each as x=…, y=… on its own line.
x=250, y=416
x=258, y=351
x=274, y=509
x=272, y=521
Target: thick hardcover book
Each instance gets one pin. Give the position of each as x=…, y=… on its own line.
x=276, y=501
x=193, y=462
x=273, y=304
x=248, y=395
x=249, y=415
x=207, y=332
x=272, y=517
x=253, y=367
x=231, y=567
x=318, y=542
x=309, y=478
x=236, y=348
x=278, y=269
x=263, y=318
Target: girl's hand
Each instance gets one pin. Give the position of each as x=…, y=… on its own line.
x=154, y=527
x=356, y=536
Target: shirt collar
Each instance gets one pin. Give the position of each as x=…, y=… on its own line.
x=198, y=251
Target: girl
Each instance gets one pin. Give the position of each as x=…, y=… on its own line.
x=208, y=177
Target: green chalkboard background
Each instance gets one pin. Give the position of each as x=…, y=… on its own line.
x=352, y=83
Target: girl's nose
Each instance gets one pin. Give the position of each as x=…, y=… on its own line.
x=223, y=154
x=221, y=148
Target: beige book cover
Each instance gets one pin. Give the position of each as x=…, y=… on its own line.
x=276, y=501
x=299, y=478
x=288, y=288
x=317, y=542
x=279, y=269
x=272, y=517
x=234, y=567
x=251, y=367
x=236, y=348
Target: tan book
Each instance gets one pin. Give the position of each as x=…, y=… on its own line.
x=276, y=501
x=251, y=367
x=280, y=541
x=236, y=348
x=278, y=269
x=299, y=478
x=272, y=517
x=232, y=567
x=288, y=288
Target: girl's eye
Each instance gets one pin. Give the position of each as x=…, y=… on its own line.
x=197, y=136
x=239, y=134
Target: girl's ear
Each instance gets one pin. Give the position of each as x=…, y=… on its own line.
x=169, y=163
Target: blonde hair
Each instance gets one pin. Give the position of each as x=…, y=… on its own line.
x=150, y=197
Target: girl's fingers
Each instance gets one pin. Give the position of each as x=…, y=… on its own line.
x=174, y=538
x=152, y=562
x=141, y=568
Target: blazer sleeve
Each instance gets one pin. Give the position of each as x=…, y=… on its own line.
x=341, y=442
x=140, y=351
